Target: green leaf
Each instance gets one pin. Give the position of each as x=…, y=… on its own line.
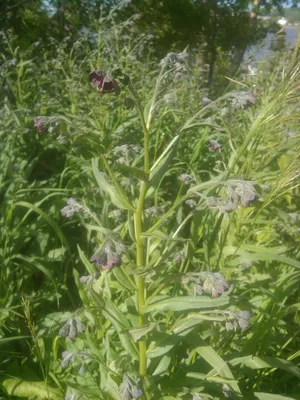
x=268, y=396
x=12, y=338
x=113, y=314
x=254, y=253
x=217, y=379
x=162, y=163
x=217, y=362
x=89, y=266
x=163, y=236
x=116, y=197
x=34, y=263
x=163, y=365
x=193, y=320
x=138, y=173
x=185, y=303
x=138, y=333
x=123, y=279
x=50, y=221
x=267, y=362
x=19, y=388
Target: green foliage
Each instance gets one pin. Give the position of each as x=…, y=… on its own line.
x=173, y=270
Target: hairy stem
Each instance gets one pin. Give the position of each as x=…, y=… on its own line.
x=140, y=256
x=141, y=283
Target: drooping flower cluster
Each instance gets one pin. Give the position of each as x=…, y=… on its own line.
x=68, y=358
x=109, y=254
x=174, y=59
x=191, y=203
x=39, y=124
x=71, y=208
x=214, y=146
x=131, y=388
x=104, y=82
x=205, y=101
x=178, y=257
x=242, y=191
x=239, y=192
x=126, y=153
x=46, y=124
x=154, y=211
x=242, y=99
x=71, y=328
x=177, y=62
x=237, y=320
x=186, y=179
x=224, y=205
x=86, y=279
x=208, y=282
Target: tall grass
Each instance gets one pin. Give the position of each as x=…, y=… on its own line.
x=172, y=272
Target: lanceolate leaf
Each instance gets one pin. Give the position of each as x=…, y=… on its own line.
x=267, y=362
x=39, y=390
x=162, y=163
x=270, y=396
x=219, y=365
x=119, y=199
x=138, y=173
x=185, y=303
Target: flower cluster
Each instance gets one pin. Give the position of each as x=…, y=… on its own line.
x=131, y=389
x=191, y=203
x=214, y=146
x=176, y=61
x=242, y=191
x=208, y=282
x=186, y=179
x=109, y=255
x=178, y=257
x=237, y=320
x=126, y=153
x=39, y=124
x=46, y=124
x=205, y=101
x=242, y=99
x=71, y=328
x=86, y=279
x=68, y=358
x=71, y=208
x=224, y=205
x=154, y=211
x=104, y=82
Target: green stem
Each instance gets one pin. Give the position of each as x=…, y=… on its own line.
x=141, y=283
x=138, y=216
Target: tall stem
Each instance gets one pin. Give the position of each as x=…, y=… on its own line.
x=141, y=284
x=140, y=256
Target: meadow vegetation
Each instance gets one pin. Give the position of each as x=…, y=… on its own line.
x=150, y=224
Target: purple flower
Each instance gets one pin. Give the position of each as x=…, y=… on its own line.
x=238, y=320
x=186, y=179
x=39, y=125
x=71, y=328
x=104, y=82
x=178, y=257
x=214, y=146
x=242, y=99
x=209, y=282
x=71, y=208
x=205, y=100
x=215, y=284
x=109, y=255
